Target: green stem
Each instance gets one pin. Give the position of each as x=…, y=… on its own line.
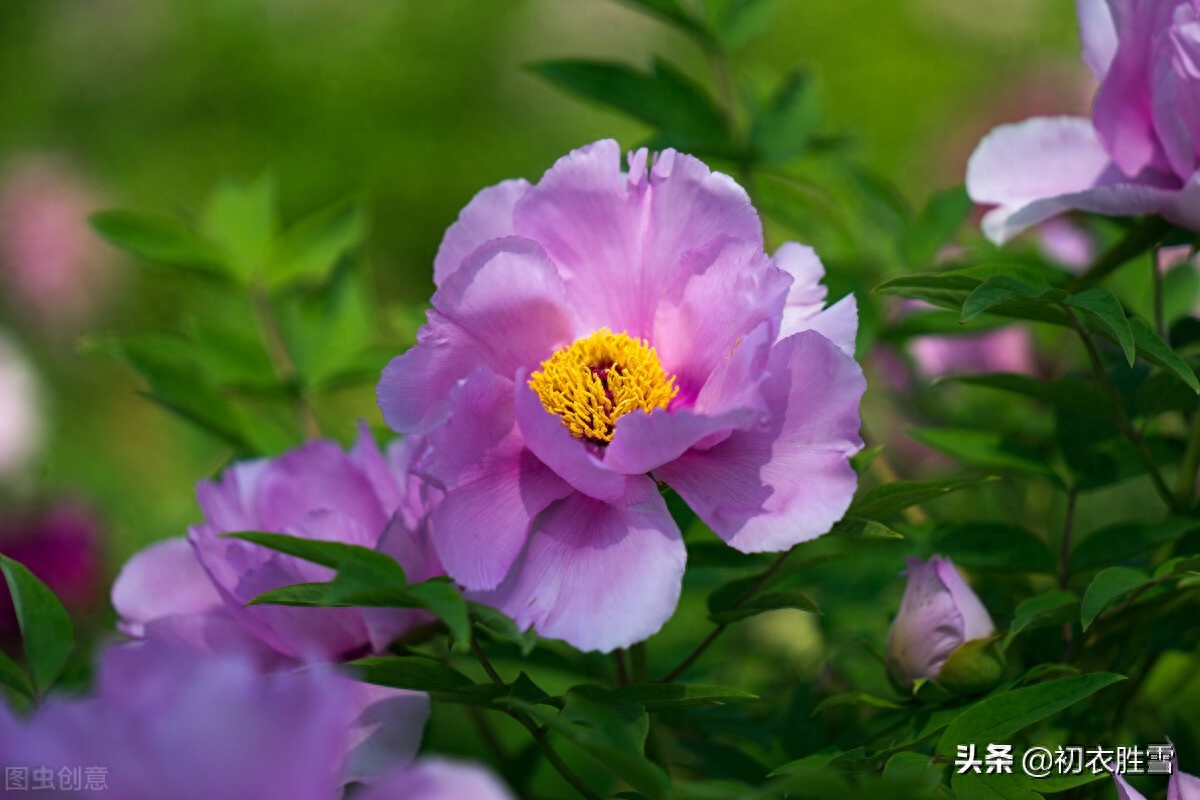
x=1122, y=420
x=281, y=359
x=1156, y=281
x=619, y=663
x=538, y=733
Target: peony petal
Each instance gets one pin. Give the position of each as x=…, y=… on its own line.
x=505, y=308
x=488, y=216
x=214, y=633
x=1098, y=34
x=1175, y=95
x=163, y=580
x=574, y=460
x=1182, y=786
x=494, y=485
x=1125, y=791
x=838, y=324
x=927, y=628
x=386, y=482
x=1116, y=200
x=439, y=779
x=977, y=623
x=317, y=476
x=597, y=575
x=806, y=297
x=722, y=292
x=643, y=442
x=385, y=732
x=618, y=238
x=788, y=479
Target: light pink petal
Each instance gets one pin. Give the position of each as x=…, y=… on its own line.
x=643, y=442
x=722, y=292
x=385, y=732
x=1182, y=786
x=1175, y=103
x=1003, y=350
x=927, y=628
x=494, y=485
x=1125, y=791
x=977, y=623
x=788, y=479
x=214, y=633
x=384, y=481
x=163, y=580
x=318, y=476
x=488, y=216
x=597, y=575
x=1116, y=200
x=577, y=462
x=1098, y=34
x=838, y=324
x=504, y=308
x=617, y=238
x=439, y=779
x=806, y=297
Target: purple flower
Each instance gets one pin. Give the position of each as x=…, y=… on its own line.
x=938, y=614
x=195, y=590
x=167, y=722
x=1182, y=786
x=61, y=546
x=597, y=333
x=1003, y=350
x=1139, y=152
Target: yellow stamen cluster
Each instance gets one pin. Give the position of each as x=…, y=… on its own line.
x=596, y=379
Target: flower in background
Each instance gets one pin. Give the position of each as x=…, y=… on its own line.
x=603, y=331
x=165, y=721
x=938, y=615
x=55, y=268
x=20, y=418
x=1138, y=154
x=1008, y=349
x=1181, y=786
x=195, y=589
x=61, y=546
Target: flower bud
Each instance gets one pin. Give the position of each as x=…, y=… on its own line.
x=938, y=615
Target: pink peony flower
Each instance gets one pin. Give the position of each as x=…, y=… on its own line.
x=195, y=590
x=938, y=614
x=168, y=722
x=1002, y=350
x=1181, y=786
x=60, y=545
x=20, y=416
x=1139, y=152
x=55, y=267
x=597, y=333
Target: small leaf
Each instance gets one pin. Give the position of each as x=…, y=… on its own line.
x=655, y=697
x=46, y=630
x=891, y=498
x=1152, y=348
x=855, y=698
x=672, y=11
x=410, y=672
x=986, y=449
x=859, y=528
x=240, y=219
x=757, y=604
x=1117, y=543
x=1103, y=307
x=737, y=23
x=783, y=128
x=993, y=786
x=1052, y=608
x=309, y=250
x=945, y=290
x=1005, y=290
x=863, y=459
x=439, y=596
x=501, y=628
x=1108, y=585
x=12, y=676
x=1067, y=393
x=998, y=716
x=326, y=553
x=159, y=239
x=944, y=213
x=994, y=545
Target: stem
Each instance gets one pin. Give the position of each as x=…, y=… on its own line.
x=622, y=672
x=717, y=631
x=281, y=359
x=1122, y=421
x=641, y=663
x=1156, y=280
x=538, y=733
x=488, y=734
x=1064, y=560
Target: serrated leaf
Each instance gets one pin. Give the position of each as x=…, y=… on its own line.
x=1108, y=585
x=998, y=716
x=47, y=635
x=1152, y=348
x=1103, y=308
x=859, y=528
x=1005, y=290
x=1117, y=543
x=944, y=213
x=655, y=697
x=891, y=498
x=1067, y=393
x=309, y=250
x=665, y=99
x=240, y=219
x=159, y=239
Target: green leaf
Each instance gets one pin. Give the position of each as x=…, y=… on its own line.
x=737, y=23
x=1152, y=348
x=1069, y=394
x=1108, y=585
x=944, y=213
x=945, y=290
x=891, y=498
x=672, y=11
x=655, y=697
x=410, y=672
x=757, y=604
x=328, y=554
x=1004, y=292
x=673, y=104
x=240, y=219
x=306, y=595
x=863, y=459
x=1119, y=542
x=997, y=717
x=859, y=528
x=783, y=128
x=856, y=698
x=159, y=239
x=1103, y=308
x=1162, y=392
x=986, y=449
x=328, y=330
x=994, y=545
x=500, y=627
x=12, y=676
x=46, y=630
x=309, y=250
x=996, y=786
x=440, y=597
x=1052, y=608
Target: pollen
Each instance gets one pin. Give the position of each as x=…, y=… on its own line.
x=600, y=378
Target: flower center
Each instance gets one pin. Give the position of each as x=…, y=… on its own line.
x=596, y=379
